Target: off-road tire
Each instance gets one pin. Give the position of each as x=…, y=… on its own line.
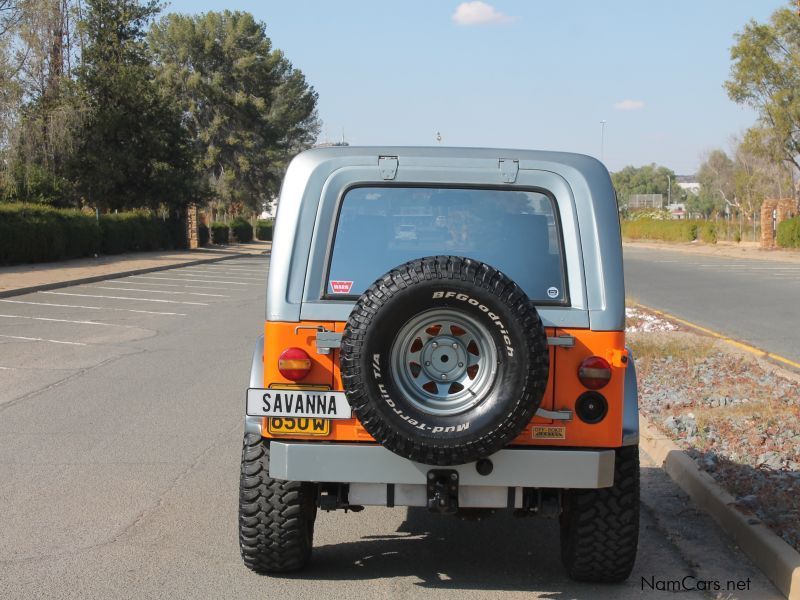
x=513, y=332
x=600, y=528
x=276, y=517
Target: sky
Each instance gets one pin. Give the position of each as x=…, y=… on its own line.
x=519, y=73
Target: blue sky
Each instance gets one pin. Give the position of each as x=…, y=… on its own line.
x=519, y=74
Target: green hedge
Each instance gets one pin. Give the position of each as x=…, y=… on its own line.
x=264, y=229
x=203, y=235
x=708, y=232
x=242, y=230
x=789, y=233
x=219, y=233
x=35, y=233
x=136, y=232
x=668, y=231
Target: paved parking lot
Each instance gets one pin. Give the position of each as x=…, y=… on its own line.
x=121, y=408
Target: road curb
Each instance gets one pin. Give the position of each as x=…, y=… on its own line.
x=776, y=559
x=95, y=278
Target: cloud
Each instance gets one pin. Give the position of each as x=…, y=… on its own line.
x=479, y=13
x=629, y=105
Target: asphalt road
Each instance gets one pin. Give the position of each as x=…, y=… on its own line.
x=121, y=409
x=753, y=300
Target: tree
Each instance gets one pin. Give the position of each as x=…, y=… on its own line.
x=717, y=185
x=766, y=76
x=134, y=149
x=648, y=179
x=46, y=113
x=249, y=111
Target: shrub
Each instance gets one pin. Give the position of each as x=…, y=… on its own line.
x=36, y=233
x=264, y=229
x=651, y=229
x=219, y=233
x=708, y=233
x=136, y=231
x=788, y=235
x=242, y=230
x=203, y=235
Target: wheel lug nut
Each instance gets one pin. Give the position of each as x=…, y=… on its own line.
x=444, y=377
x=434, y=345
x=460, y=364
x=427, y=363
x=455, y=345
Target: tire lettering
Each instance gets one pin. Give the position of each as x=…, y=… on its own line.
x=483, y=308
x=376, y=365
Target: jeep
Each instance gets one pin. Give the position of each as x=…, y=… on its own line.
x=444, y=329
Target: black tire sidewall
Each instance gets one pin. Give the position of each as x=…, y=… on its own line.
x=476, y=422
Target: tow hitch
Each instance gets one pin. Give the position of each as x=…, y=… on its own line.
x=443, y=490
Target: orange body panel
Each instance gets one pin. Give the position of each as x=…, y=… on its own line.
x=563, y=386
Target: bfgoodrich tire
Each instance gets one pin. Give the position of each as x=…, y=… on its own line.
x=444, y=360
x=276, y=517
x=600, y=528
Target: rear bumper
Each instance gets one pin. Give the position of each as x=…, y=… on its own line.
x=372, y=464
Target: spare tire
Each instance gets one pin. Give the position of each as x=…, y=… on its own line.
x=444, y=360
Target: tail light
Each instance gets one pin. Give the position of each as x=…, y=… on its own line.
x=594, y=372
x=294, y=363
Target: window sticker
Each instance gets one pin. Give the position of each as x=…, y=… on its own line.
x=341, y=287
x=552, y=292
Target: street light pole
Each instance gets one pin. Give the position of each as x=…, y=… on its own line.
x=602, y=138
x=669, y=190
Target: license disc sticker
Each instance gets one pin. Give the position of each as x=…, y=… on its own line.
x=341, y=287
x=552, y=292
x=548, y=432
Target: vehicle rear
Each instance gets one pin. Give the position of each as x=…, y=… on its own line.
x=445, y=329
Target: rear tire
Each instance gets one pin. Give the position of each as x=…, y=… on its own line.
x=600, y=528
x=276, y=517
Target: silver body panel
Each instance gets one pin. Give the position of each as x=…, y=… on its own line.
x=316, y=180
x=253, y=424
x=630, y=412
x=368, y=463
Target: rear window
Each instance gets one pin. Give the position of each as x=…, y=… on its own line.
x=380, y=228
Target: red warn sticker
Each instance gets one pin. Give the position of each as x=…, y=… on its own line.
x=341, y=287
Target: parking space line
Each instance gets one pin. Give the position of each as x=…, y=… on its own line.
x=122, y=289
x=35, y=339
x=226, y=269
x=222, y=274
x=146, y=312
x=125, y=298
x=127, y=281
x=194, y=280
x=66, y=321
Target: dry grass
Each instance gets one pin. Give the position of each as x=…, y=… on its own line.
x=648, y=346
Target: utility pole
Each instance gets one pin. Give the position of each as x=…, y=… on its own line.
x=602, y=137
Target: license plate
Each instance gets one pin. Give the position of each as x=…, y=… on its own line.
x=294, y=426
x=297, y=403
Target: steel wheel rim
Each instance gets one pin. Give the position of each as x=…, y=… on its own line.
x=443, y=361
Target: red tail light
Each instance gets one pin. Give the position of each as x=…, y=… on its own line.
x=594, y=372
x=294, y=363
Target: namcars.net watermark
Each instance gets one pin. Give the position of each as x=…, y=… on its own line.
x=690, y=583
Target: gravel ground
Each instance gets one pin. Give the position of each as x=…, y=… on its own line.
x=738, y=418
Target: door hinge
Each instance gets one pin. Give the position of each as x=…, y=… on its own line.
x=508, y=169
x=387, y=165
